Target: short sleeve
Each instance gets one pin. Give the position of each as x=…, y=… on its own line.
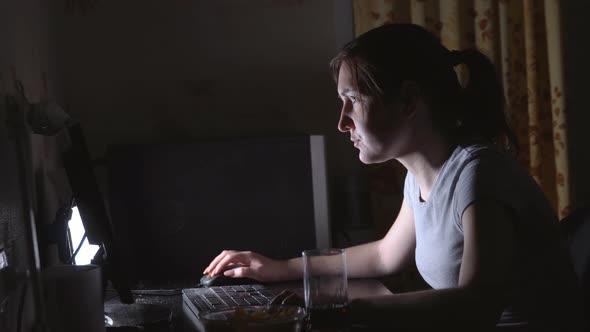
x=481, y=179
x=465, y=190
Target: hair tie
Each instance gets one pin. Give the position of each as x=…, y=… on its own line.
x=457, y=57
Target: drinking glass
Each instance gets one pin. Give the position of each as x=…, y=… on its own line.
x=325, y=286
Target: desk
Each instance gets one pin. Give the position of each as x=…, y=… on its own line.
x=184, y=321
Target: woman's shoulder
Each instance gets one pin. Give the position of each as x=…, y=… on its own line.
x=485, y=171
x=468, y=155
x=478, y=150
x=484, y=166
x=482, y=154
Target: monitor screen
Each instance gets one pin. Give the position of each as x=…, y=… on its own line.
x=176, y=206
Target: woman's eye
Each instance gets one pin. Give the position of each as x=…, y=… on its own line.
x=351, y=98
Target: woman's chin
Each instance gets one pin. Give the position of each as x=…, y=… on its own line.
x=367, y=159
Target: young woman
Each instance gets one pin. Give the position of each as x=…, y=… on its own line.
x=481, y=232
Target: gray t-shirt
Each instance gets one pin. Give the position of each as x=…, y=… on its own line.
x=543, y=281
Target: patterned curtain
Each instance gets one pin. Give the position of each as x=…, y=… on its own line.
x=523, y=38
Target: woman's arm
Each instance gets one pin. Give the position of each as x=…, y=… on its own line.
x=374, y=259
x=386, y=256
x=483, y=280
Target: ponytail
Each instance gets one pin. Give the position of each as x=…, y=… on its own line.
x=483, y=112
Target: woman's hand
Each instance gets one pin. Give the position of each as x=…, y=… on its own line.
x=249, y=265
x=288, y=297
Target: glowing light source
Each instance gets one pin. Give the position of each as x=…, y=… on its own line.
x=77, y=231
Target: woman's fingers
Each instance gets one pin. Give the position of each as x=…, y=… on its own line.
x=214, y=262
x=294, y=299
x=241, y=272
x=243, y=263
x=288, y=297
x=238, y=258
x=278, y=299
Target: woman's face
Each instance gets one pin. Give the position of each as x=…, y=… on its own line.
x=380, y=132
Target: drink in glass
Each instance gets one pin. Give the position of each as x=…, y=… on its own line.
x=325, y=285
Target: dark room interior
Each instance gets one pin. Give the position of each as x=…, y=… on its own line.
x=195, y=110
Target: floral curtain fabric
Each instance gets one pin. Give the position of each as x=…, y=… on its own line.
x=523, y=38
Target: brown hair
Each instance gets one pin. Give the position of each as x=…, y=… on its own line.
x=383, y=58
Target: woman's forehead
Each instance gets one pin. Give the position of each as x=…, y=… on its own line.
x=345, y=82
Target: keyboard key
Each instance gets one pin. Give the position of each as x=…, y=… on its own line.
x=235, y=295
x=214, y=301
x=261, y=299
x=201, y=305
x=251, y=301
x=241, y=302
x=267, y=294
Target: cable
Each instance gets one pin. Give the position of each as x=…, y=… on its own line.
x=161, y=292
x=157, y=292
x=77, y=249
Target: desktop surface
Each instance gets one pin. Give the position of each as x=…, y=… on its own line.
x=182, y=319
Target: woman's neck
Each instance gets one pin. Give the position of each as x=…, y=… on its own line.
x=426, y=162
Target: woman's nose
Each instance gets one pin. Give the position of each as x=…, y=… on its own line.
x=345, y=123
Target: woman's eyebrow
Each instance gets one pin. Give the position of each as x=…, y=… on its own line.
x=345, y=91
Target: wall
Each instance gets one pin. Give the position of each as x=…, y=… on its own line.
x=137, y=71
x=142, y=71
x=179, y=70
x=577, y=70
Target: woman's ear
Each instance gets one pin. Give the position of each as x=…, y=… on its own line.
x=409, y=97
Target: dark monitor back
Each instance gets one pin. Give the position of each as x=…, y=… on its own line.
x=87, y=195
x=174, y=207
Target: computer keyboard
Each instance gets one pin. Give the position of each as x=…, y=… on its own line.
x=228, y=296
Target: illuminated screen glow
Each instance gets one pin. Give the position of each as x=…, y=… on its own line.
x=77, y=231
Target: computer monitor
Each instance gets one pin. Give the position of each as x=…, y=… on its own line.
x=91, y=207
x=176, y=206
